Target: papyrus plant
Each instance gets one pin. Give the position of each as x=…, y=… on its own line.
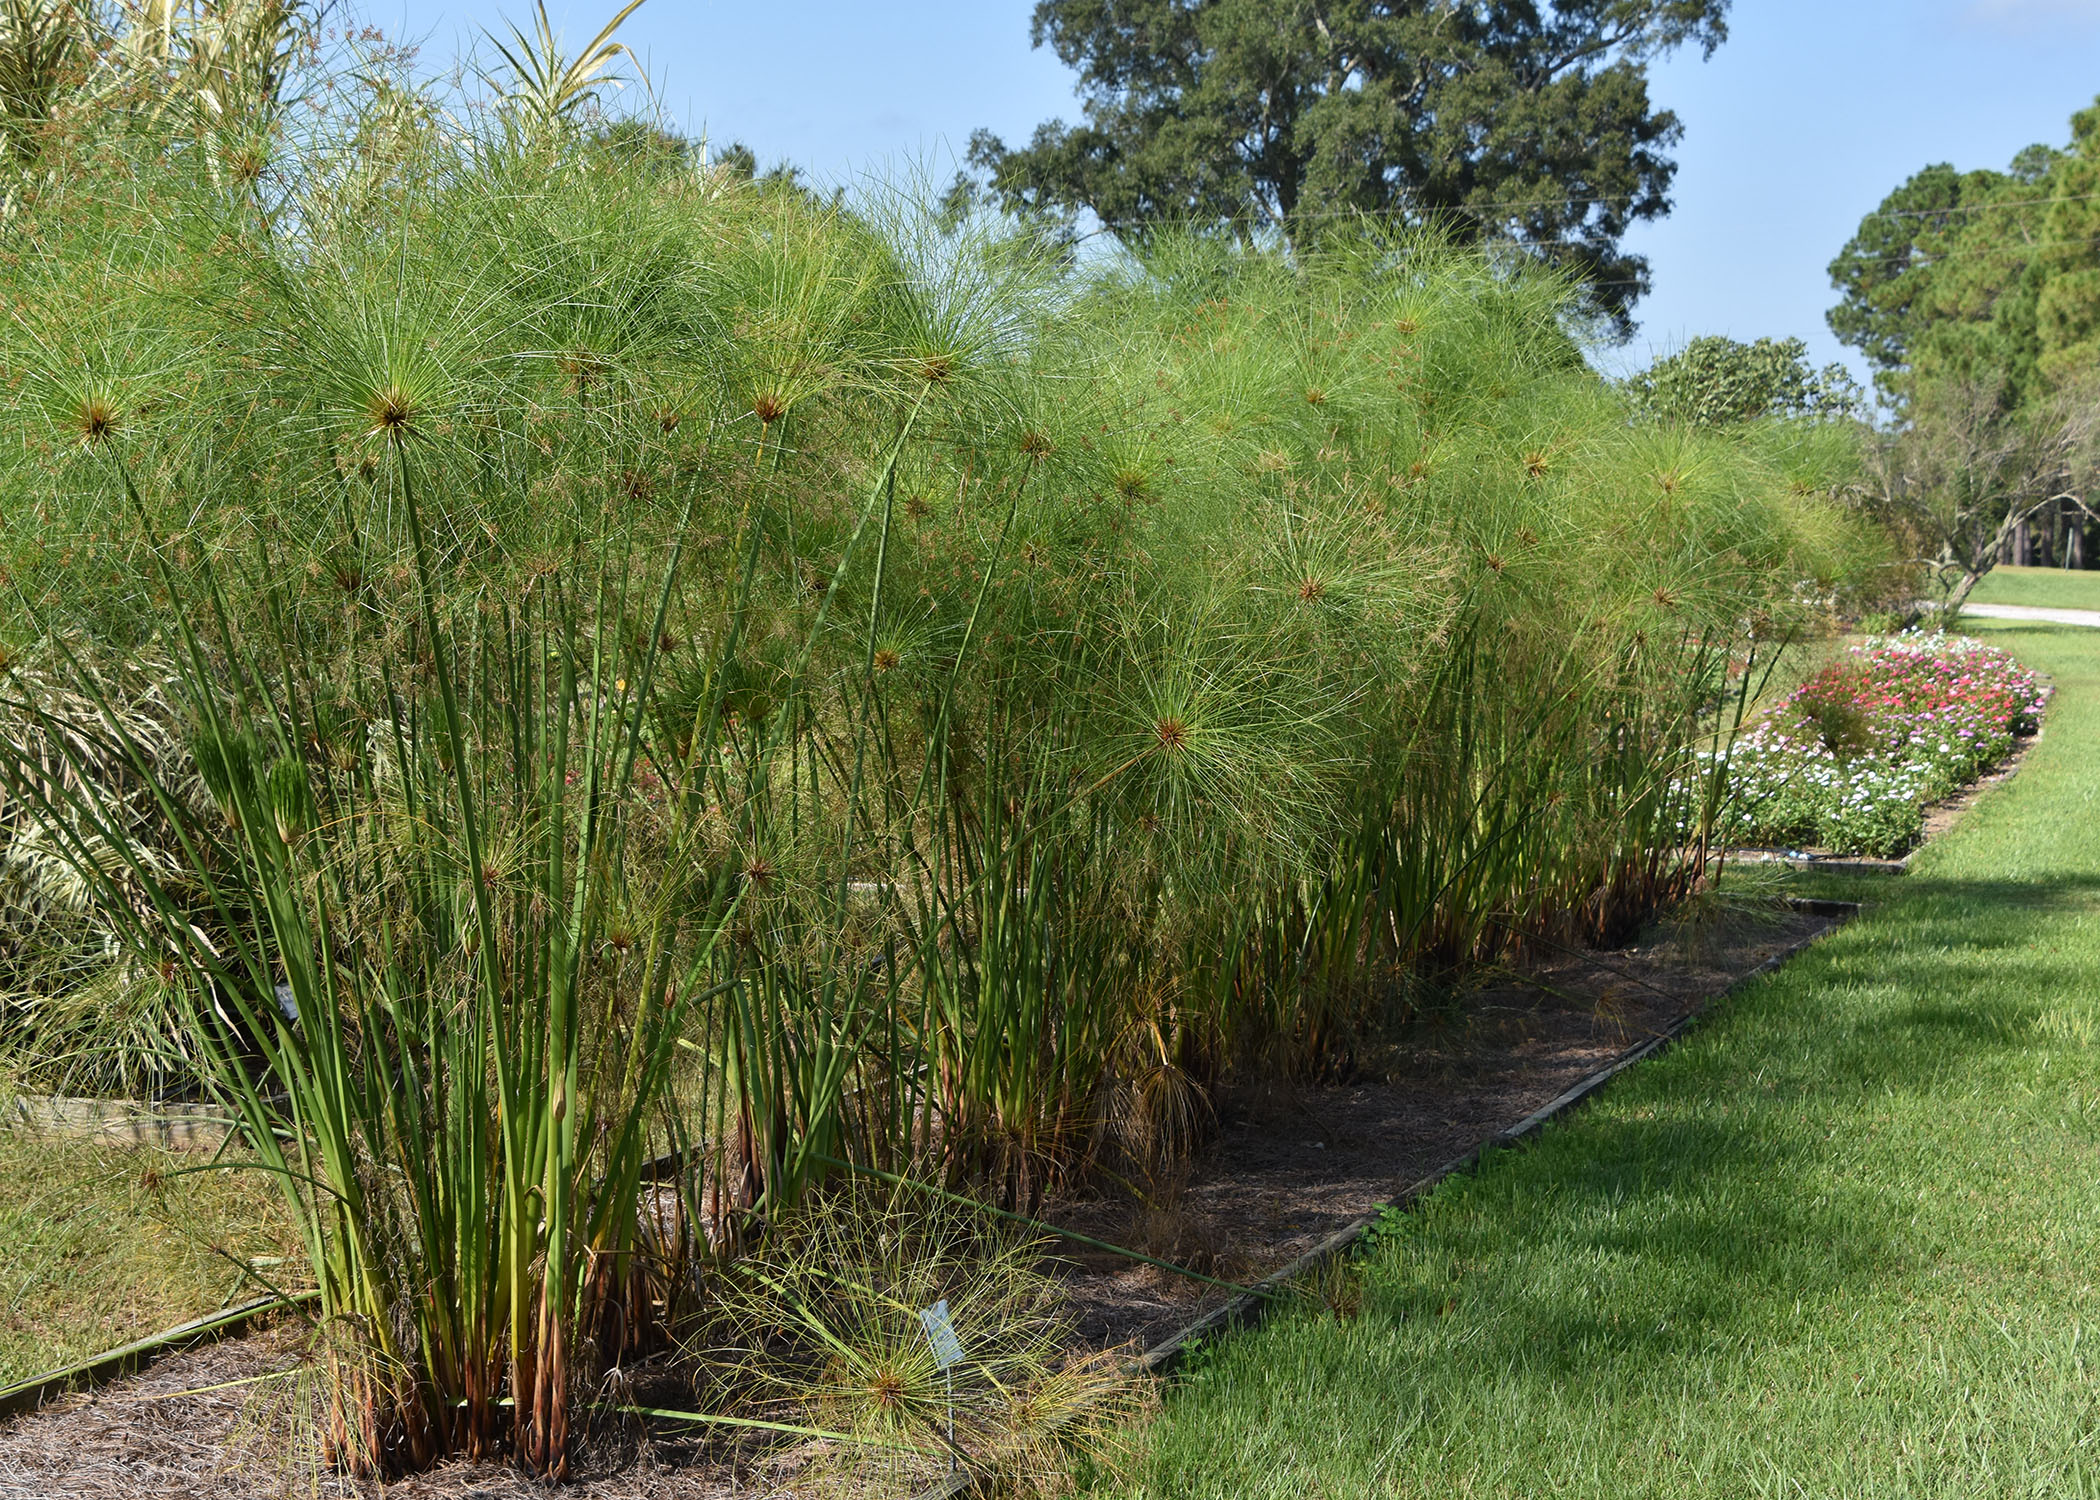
x=428, y=965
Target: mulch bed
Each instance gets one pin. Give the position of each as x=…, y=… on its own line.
x=1292, y=1165
x=1287, y=1166
x=181, y=1427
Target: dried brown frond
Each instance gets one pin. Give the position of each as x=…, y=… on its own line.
x=822, y=1323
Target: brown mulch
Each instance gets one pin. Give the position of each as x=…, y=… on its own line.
x=1288, y=1166
x=178, y=1428
x=1293, y=1165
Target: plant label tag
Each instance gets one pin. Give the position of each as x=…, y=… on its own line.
x=940, y=1333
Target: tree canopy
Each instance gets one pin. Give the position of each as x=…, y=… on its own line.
x=1943, y=277
x=1715, y=381
x=1507, y=120
x=2067, y=301
x=1982, y=277
x=1975, y=296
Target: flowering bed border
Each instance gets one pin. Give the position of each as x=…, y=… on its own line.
x=1951, y=809
x=1860, y=755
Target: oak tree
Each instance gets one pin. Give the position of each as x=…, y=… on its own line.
x=1522, y=121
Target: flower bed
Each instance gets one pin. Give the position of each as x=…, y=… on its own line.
x=1852, y=758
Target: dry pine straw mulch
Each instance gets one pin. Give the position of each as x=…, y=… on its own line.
x=178, y=1429
x=1286, y=1167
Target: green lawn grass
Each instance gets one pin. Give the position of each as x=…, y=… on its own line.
x=2054, y=588
x=100, y=1245
x=1844, y=1241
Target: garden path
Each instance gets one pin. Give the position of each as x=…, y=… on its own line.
x=2042, y=613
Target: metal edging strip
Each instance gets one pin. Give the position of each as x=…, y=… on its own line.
x=28, y=1394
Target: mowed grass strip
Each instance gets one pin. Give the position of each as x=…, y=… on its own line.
x=1843, y=1241
x=102, y=1244
x=2051, y=588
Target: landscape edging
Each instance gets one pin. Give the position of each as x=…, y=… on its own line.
x=26, y=1395
x=120, y=1122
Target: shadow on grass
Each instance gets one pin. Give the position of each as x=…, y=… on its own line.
x=1750, y=1169
x=1836, y=1243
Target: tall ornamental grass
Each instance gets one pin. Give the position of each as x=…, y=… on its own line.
x=670, y=685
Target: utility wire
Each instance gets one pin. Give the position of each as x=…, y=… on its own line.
x=2024, y=251
x=1624, y=200
x=1977, y=208
x=1922, y=257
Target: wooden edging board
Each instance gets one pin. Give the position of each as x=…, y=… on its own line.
x=1249, y=1307
x=120, y=1122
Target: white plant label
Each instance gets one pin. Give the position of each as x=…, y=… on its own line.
x=940, y=1334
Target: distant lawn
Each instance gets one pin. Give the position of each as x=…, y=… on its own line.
x=100, y=1245
x=2054, y=588
x=1842, y=1242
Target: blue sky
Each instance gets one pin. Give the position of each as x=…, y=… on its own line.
x=1811, y=112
